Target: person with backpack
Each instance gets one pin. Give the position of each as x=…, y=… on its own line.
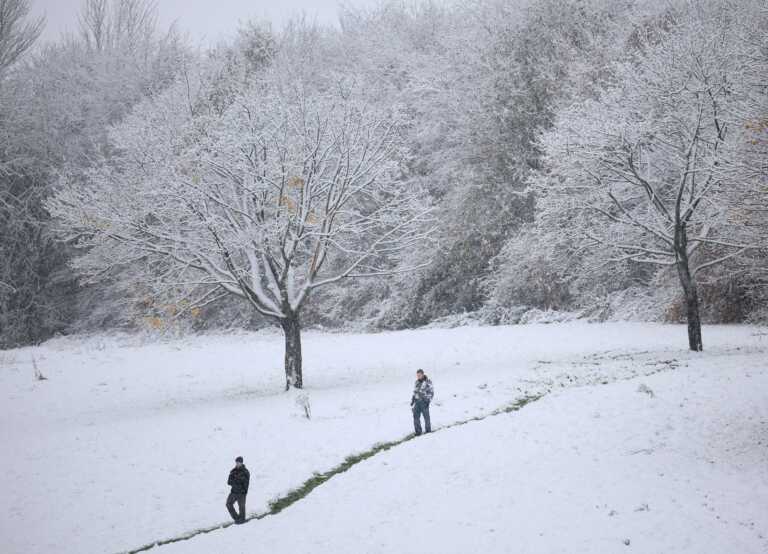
x=422, y=396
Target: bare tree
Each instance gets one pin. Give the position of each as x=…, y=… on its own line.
x=291, y=188
x=649, y=165
x=118, y=23
x=17, y=31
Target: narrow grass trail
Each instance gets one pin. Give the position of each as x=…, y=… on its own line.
x=283, y=502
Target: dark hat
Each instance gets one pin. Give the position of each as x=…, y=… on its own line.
x=239, y=459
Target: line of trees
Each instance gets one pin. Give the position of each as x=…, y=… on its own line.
x=56, y=103
x=420, y=160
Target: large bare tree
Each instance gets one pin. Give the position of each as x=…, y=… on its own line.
x=294, y=186
x=648, y=168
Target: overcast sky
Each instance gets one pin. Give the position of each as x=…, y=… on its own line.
x=205, y=20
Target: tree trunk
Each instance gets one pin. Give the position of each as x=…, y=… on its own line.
x=689, y=289
x=292, y=329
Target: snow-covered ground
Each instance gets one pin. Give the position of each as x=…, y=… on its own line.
x=128, y=443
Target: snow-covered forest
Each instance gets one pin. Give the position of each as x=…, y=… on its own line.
x=484, y=160
x=555, y=210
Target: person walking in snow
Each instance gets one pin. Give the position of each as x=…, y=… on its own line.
x=422, y=396
x=239, y=478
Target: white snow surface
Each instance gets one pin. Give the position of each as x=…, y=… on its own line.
x=127, y=443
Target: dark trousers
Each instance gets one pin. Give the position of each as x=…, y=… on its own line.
x=240, y=499
x=421, y=408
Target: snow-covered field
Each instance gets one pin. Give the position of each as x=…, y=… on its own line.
x=128, y=443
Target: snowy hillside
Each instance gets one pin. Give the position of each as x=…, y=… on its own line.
x=677, y=465
x=125, y=444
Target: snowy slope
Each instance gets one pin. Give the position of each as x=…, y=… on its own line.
x=598, y=469
x=126, y=443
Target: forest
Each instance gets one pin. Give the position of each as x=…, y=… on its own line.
x=420, y=163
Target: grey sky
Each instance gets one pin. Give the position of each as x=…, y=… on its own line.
x=205, y=20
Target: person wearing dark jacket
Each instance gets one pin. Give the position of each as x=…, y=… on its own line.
x=422, y=396
x=239, y=478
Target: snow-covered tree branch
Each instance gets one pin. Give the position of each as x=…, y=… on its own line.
x=652, y=159
x=18, y=32
x=292, y=187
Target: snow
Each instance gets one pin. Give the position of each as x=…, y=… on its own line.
x=127, y=443
x=579, y=471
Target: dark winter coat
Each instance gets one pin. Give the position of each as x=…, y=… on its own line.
x=423, y=391
x=239, y=478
